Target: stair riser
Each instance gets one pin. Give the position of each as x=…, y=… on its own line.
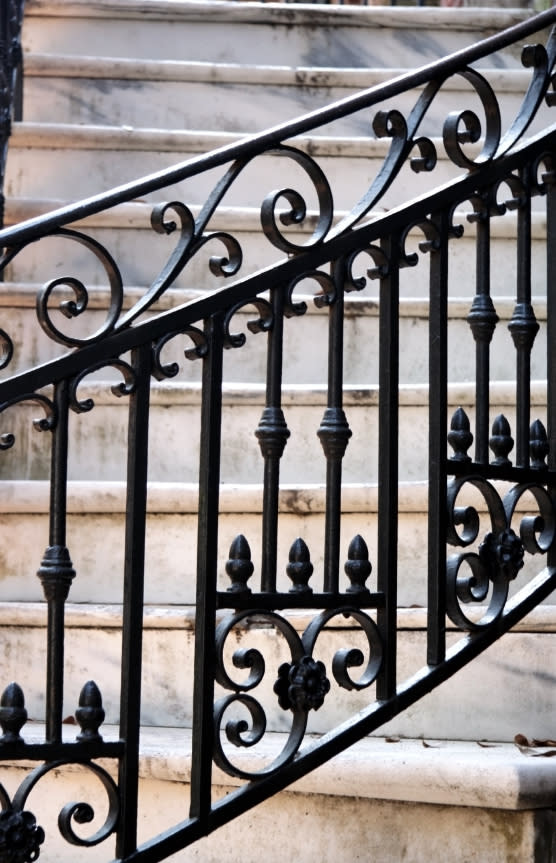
x=96, y=531
x=368, y=38
x=248, y=365
x=97, y=448
x=97, y=552
x=220, y=106
x=478, y=704
x=382, y=830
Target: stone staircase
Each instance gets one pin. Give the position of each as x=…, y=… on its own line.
x=121, y=88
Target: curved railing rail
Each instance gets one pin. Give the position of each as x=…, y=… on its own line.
x=495, y=510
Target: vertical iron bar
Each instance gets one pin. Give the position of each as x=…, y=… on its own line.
x=56, y=571
x=438, y=425
x=134, y=578
x=272, y=434
x=11, y=70
x=523, y=327
x=550, y=181
x=207, y=562
x=482, y=319
x=388, y=430
x=334, y=433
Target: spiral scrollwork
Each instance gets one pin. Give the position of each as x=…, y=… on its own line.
x=261, y=324
x=430, y=243
x=484, y=575
x=41, y=424
x=125, y=388
x=301, y=684
x=379, y=270
x=347, y=658
x=73, y=308
x=163, y=370
x=541, y=61
x=536, y=532
x=238, y=732
x=296, y=212
x=21, y=837
x=464, y=127
x=6, y=349
x=325, y=297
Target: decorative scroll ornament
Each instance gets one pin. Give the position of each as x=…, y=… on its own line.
x=74, y=308
x=476, y=577
x=80, y=813
x=297, y=208
x=125, y=388
x=6, y=349
x=302, y=683
x=20, y=837
x=41, y=424
x=262, y=324
x=163, y=370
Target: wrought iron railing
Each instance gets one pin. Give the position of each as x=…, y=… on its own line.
x=344, y=252
x=11, y=74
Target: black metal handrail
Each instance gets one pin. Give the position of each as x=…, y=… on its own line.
x=508, y=174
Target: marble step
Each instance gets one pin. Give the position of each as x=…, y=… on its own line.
x=126, y=232
x=187, y=95
x=402, y=800
x=97, y=436
x=477, y=704
x=302, y=363
x=262, y=33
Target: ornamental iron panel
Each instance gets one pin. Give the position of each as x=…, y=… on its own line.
x=481, y=469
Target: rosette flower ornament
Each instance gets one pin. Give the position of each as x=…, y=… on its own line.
x=303, y=685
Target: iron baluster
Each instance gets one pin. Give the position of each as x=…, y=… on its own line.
x=11, y=81
x=56, y=571
x=272, y=434
x=482, y=320
x=549, y=180
x=523, y=325
x=438, y=418
x=134, y=572
x=388, y=430
x=334, y=432
x=207, y=563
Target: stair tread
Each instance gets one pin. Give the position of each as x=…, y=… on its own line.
x=314, y=394
x=444, y=772
x=136, y=214
x=125, y=68
x=100, y=137
x=175, y=497
x=24, y=294
x=109, y=615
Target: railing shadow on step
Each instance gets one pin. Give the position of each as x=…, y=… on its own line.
x=496, y=513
